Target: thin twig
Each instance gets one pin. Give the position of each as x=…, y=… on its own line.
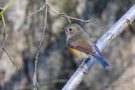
x=36, y=11
x=3, y=42
x=11, y=59
x=4, y=30
x=35, y=82
x=86, y=21
x=69, y=17
x=66, y=16
x=7, y=5
x=112, y=33
x=61, y=14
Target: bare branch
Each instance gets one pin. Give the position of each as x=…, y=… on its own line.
x=42, y=8
x=35, y=82
x=113, y=32
x=7, y=5
x=69, y=17
x=86, y=21
x=60, y=14
x=3, y=42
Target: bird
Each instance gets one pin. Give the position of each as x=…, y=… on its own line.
x=80, y=44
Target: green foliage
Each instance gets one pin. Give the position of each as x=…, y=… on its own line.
x=1, y=13
x=2, y=10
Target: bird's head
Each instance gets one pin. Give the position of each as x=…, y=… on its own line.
x=72, y=29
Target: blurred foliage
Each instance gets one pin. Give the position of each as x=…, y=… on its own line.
x=1, y=10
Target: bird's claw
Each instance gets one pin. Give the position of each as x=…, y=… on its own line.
x=84, y=68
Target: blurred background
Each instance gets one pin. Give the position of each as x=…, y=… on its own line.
x=56, y=64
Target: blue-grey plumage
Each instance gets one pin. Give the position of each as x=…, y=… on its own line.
x=78, y=39
x=98, y=56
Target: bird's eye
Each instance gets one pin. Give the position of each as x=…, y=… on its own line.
x=70, y=29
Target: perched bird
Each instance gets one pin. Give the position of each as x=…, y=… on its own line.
x=80, y=44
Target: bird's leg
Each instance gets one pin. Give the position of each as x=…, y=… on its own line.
x=95, y=48
x=83, y=61
x=84, y=66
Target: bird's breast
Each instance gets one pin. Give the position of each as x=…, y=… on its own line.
x=78, y=54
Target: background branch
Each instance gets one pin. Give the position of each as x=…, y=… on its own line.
x=35, y=82
x=61, y=15
x=113, y=32
x=4, y=35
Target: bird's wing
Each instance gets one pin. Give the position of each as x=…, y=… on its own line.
x=85, y=48
x=81, y=45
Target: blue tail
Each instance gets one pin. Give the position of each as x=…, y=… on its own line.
x=101, y=60
x=98, y=56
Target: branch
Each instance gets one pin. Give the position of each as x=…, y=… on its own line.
x=4, y=36
x=7, y=5
x=69, y=18
x=35, y=82
x=46, y=7
x=113, y=32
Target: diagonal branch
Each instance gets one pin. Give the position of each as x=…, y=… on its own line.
x=7, y=5
x=112, y=33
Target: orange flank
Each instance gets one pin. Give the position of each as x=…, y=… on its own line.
x=78, y=54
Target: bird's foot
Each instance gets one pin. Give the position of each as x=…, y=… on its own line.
x=84, y=68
